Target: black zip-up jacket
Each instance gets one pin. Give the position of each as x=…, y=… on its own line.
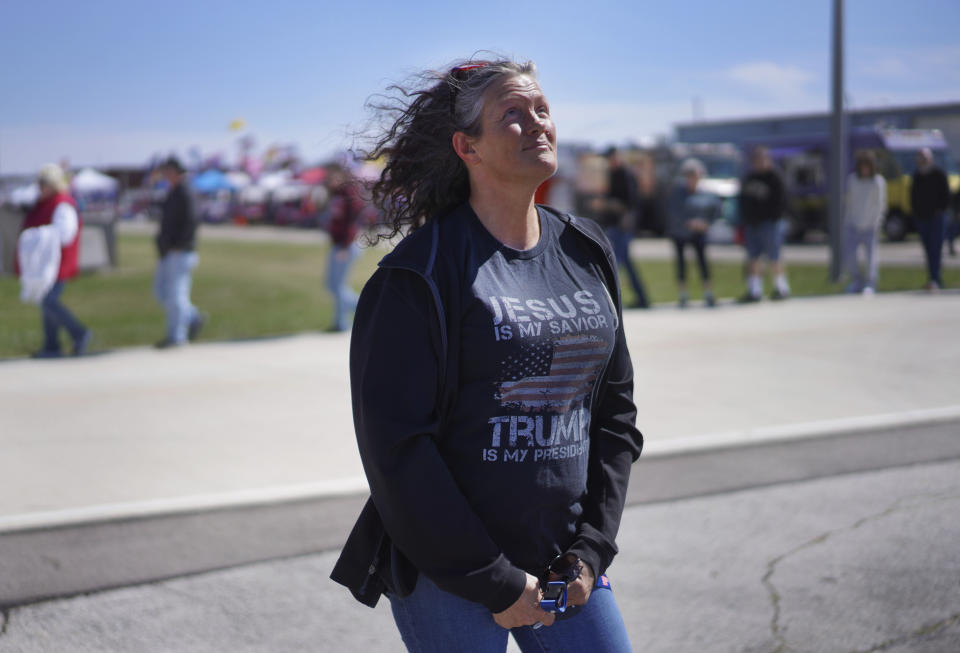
x=178, y=221
x=624, y=195
x=929, y=193
x=404, y=384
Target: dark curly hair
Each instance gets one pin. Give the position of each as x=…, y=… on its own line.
x=414, y=127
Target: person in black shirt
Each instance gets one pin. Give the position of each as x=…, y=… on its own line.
x=618, y=215
x=762, y=199
x=491, y=382
x=930, y=199
x=176, y=245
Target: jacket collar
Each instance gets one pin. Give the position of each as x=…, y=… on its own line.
x=418, y=251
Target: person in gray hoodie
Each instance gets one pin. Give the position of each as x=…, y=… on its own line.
x=689, y=216
x=866, y=204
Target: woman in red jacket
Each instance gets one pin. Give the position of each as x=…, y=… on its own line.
x=56, y=207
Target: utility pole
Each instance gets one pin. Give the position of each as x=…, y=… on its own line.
x=837, y=163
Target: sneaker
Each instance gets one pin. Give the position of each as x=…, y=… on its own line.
x=932, y=286
x=748, y=298
x=709, y=300
x=196, y=327
x=682, y=302
x=777, y=295
x=867, y=291
x=167, y=343
x=46, y=353
x=81, y=345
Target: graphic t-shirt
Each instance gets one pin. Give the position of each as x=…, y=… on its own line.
x=537, y=331
x=761, y=197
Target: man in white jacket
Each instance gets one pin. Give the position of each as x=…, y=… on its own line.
x=866, y=204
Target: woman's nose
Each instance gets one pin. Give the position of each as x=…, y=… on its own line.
x=536, y=124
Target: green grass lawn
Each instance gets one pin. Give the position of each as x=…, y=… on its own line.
x=805, y=280
x=249, y=290
x=253, y=290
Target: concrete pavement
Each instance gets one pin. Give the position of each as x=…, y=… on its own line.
x=856, y=562
x=139, y=431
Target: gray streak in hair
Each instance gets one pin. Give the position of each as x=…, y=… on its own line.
x=469, y=93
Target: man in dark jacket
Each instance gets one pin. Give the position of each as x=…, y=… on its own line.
x=176, y=245
x=618, y=218
x=762, y=200
x=930, y=199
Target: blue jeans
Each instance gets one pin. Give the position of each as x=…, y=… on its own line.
x=433, y=621
x=171, y=286
x=344, y=299
x=951, y=230
x=931, y=235
x=55, y=315
x=620, y=240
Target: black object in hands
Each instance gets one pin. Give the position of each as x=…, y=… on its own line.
x=564, y=569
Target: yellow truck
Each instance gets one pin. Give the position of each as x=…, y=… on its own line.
x=897, y=162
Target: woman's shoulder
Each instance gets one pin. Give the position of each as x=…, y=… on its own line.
x=584, y=228
x=566, y=218
x=421, y=249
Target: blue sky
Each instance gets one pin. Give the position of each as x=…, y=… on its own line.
x=115, y=82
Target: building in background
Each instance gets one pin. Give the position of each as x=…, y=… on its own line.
x=945, y=117
x=800, y=145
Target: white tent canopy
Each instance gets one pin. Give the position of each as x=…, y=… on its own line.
x=89, y=181
x=238, y=179
x=25, y=195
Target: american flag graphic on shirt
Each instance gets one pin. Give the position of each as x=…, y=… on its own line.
x=552, y=374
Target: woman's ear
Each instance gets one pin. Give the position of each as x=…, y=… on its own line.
x=463, y=146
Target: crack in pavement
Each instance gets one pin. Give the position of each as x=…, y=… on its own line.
x=923, y=631
x=779, y=638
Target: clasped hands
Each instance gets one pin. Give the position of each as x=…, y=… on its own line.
x=526, y=611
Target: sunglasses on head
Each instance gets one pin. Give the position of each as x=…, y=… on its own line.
x=460, y=73
x=564, y=569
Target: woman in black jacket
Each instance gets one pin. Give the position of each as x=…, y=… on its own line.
x=492, y=386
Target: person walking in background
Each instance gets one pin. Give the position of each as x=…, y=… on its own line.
x=689, y=216
x=345, y=206
x=618, y=217
x=56, y=207
x=865, y=206
x=762, y=200
x=930, y=199
x=492, y=385
x=176, y=247
x=953, y=225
